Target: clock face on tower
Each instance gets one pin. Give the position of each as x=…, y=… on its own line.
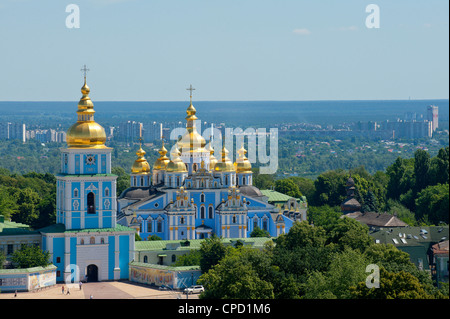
x=90, y=159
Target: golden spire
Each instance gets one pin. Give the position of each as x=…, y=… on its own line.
x=163, y=160
x=86, y=133
x=226, y=165
x=242, y=164
x=140, y=165
x=176, y=164
x=212, y=158
x=192, y=141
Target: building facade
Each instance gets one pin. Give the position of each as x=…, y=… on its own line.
x=193, y=194
x=86, y=243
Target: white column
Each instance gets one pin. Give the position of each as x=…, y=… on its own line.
x=116, y=258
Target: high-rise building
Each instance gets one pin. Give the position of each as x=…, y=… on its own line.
x=433, y=116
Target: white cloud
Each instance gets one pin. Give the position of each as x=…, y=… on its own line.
x=302, y=31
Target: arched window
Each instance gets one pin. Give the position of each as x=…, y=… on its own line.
x=142, y=181
x=75, y=192
x=210, y=212
x=107, y=192
x=243, y=180
x=265, y=224
x=149, y=225
x=182, y=220
x=159, y=226
x=174, y=258
x=226, y=179
x=92, y=240
x=202, y=212
x=234, y=219
x=91, y=203
x=102, y=240
x=202, y=198
x=178, y=181
x=145, y=259
x=194, y=167
x=82, y=241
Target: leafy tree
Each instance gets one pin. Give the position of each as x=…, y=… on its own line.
x=258, y=232
x=330, y=188
x=421, y=170
x=123, y=179
x=212, y=250
x=190, y=259
x=393, y=285
x=29, y=256
x=288, y=187
x=370, y=203
x=402, y=212
x=433, y=203
x=323, y=215
x=236, y=277
x=305, y=186
x=349, y=233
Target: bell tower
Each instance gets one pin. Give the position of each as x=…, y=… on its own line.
x=86, y=189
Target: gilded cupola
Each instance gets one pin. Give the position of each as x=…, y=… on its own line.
x=191, y=141
x=176, y=165
x=162, y=162
x=242, y=164
x=86, y=133
x=140, y=165
x=226, y=165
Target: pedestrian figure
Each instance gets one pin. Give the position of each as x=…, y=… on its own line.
x=68, y=292
x=80, y=284
x=62, y=289
x=91, y=297
x=15, y=293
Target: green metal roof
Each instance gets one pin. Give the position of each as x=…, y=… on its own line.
x=26, y=270
x=9, y=228
x=274, y=196
x=256, y=242
x=163, y=267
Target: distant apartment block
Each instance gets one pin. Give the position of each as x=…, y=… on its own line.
x=433, y=116
x=413, y=126
x=46, y=136
x=13, y=131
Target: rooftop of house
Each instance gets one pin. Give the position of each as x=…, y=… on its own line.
x=9, y=228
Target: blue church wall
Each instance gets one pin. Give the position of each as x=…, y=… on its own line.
x=124, y=248
x=58, y=252
x=107, y=219
x=156, y=203
x=77, y=164
x=103, y=165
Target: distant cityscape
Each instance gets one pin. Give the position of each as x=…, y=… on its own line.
x=412, y=126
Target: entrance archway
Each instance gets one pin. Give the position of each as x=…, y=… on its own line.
x=92, y=273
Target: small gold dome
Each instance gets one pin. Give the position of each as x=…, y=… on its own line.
x=192, y=141
x=162, y=162
x=86, y=133
x=226, y=165
x=176, y=165
x=242, y=164
x=212, y=158
x=140, y=165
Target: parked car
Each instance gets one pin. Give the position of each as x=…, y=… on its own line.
x=194, y=289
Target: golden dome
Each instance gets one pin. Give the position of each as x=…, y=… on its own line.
x=226, y=165
x=86, y=133
x=140, y=165
x=242, y=164
x=192, y=141
x=162, y=162
x=176, y=164
x=212, y=158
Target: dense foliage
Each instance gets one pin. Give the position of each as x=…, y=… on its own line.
x=310, y=262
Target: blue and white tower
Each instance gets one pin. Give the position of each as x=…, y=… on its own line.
x=86, y=241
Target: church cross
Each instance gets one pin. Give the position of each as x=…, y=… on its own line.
x=84, y=70
x=190, y=89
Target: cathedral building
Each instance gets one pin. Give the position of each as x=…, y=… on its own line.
x=193, y=194
x=86, y=242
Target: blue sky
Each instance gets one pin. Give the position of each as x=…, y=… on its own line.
x=151, y=50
